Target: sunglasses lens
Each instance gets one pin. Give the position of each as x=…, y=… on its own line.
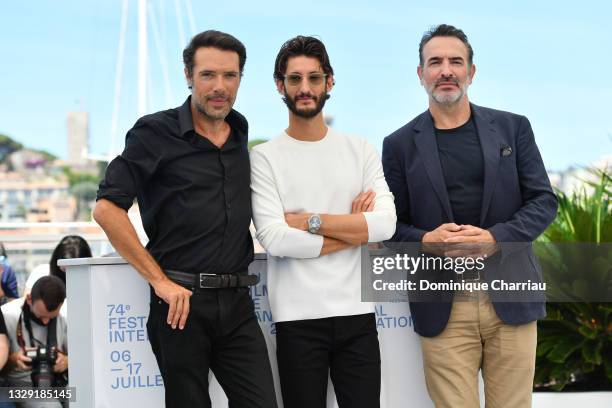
x=315, y=79
x=294, y=79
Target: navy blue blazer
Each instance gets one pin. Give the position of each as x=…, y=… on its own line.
x=518, y=202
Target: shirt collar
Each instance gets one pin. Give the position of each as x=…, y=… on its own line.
x=236, y=121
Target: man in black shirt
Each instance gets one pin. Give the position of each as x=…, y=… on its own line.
x=467, y=180
x=189, y=169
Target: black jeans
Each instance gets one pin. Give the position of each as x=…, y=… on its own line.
x=221, y=333
x=345, y=347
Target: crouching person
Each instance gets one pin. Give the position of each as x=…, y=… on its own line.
x=37, y=339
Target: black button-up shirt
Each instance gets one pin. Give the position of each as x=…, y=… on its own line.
x=194, y=198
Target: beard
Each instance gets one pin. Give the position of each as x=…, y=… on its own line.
x=210, y=113
x=306, y=113
x=447, y=98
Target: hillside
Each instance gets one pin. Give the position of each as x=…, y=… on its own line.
x=8, y=146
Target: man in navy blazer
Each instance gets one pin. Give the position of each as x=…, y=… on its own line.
x=471, y=176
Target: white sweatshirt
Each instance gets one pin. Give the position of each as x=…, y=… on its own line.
x=289, y=175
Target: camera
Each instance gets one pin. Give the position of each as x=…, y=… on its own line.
x=43, y=360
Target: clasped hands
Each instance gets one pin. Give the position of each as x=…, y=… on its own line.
x=460, y=241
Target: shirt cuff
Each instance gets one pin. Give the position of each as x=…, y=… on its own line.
x=381, y=225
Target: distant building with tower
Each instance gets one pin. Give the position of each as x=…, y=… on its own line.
x=77, y=125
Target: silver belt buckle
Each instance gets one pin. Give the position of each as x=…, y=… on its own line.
x=202, y=277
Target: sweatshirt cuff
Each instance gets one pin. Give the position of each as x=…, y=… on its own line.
x=381, y=225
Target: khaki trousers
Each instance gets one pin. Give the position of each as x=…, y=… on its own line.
x=475, y=338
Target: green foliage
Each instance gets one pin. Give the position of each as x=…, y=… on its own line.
x=255, y=142
x=83, y=186
x=84, y=190
x=85, y=193
x=102, y=165
x=575, y=340
x=46, y=155
x=8, y=146
x=75, y=177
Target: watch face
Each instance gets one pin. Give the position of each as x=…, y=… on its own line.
x=314, y=223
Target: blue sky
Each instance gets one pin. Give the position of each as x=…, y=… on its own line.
x=547, y=60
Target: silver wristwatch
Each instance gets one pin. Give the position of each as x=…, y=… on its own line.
x=314, y=223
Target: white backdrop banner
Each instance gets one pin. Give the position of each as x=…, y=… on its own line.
x=113, y=365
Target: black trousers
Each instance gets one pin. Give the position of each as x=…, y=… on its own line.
x=345, y=348
x=221, y=333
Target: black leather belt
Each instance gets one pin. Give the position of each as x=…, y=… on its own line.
x=212, y=280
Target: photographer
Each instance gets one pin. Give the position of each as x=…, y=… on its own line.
x=38, y=338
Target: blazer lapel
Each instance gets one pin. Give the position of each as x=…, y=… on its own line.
x=425, y=140
x=491, y=143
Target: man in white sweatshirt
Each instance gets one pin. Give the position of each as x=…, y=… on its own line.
x=318, y=196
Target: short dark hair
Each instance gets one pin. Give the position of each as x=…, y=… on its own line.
x=301, y=45
x=214, y=39
x=71, y=246
x=51, y=290
x=445, y=30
